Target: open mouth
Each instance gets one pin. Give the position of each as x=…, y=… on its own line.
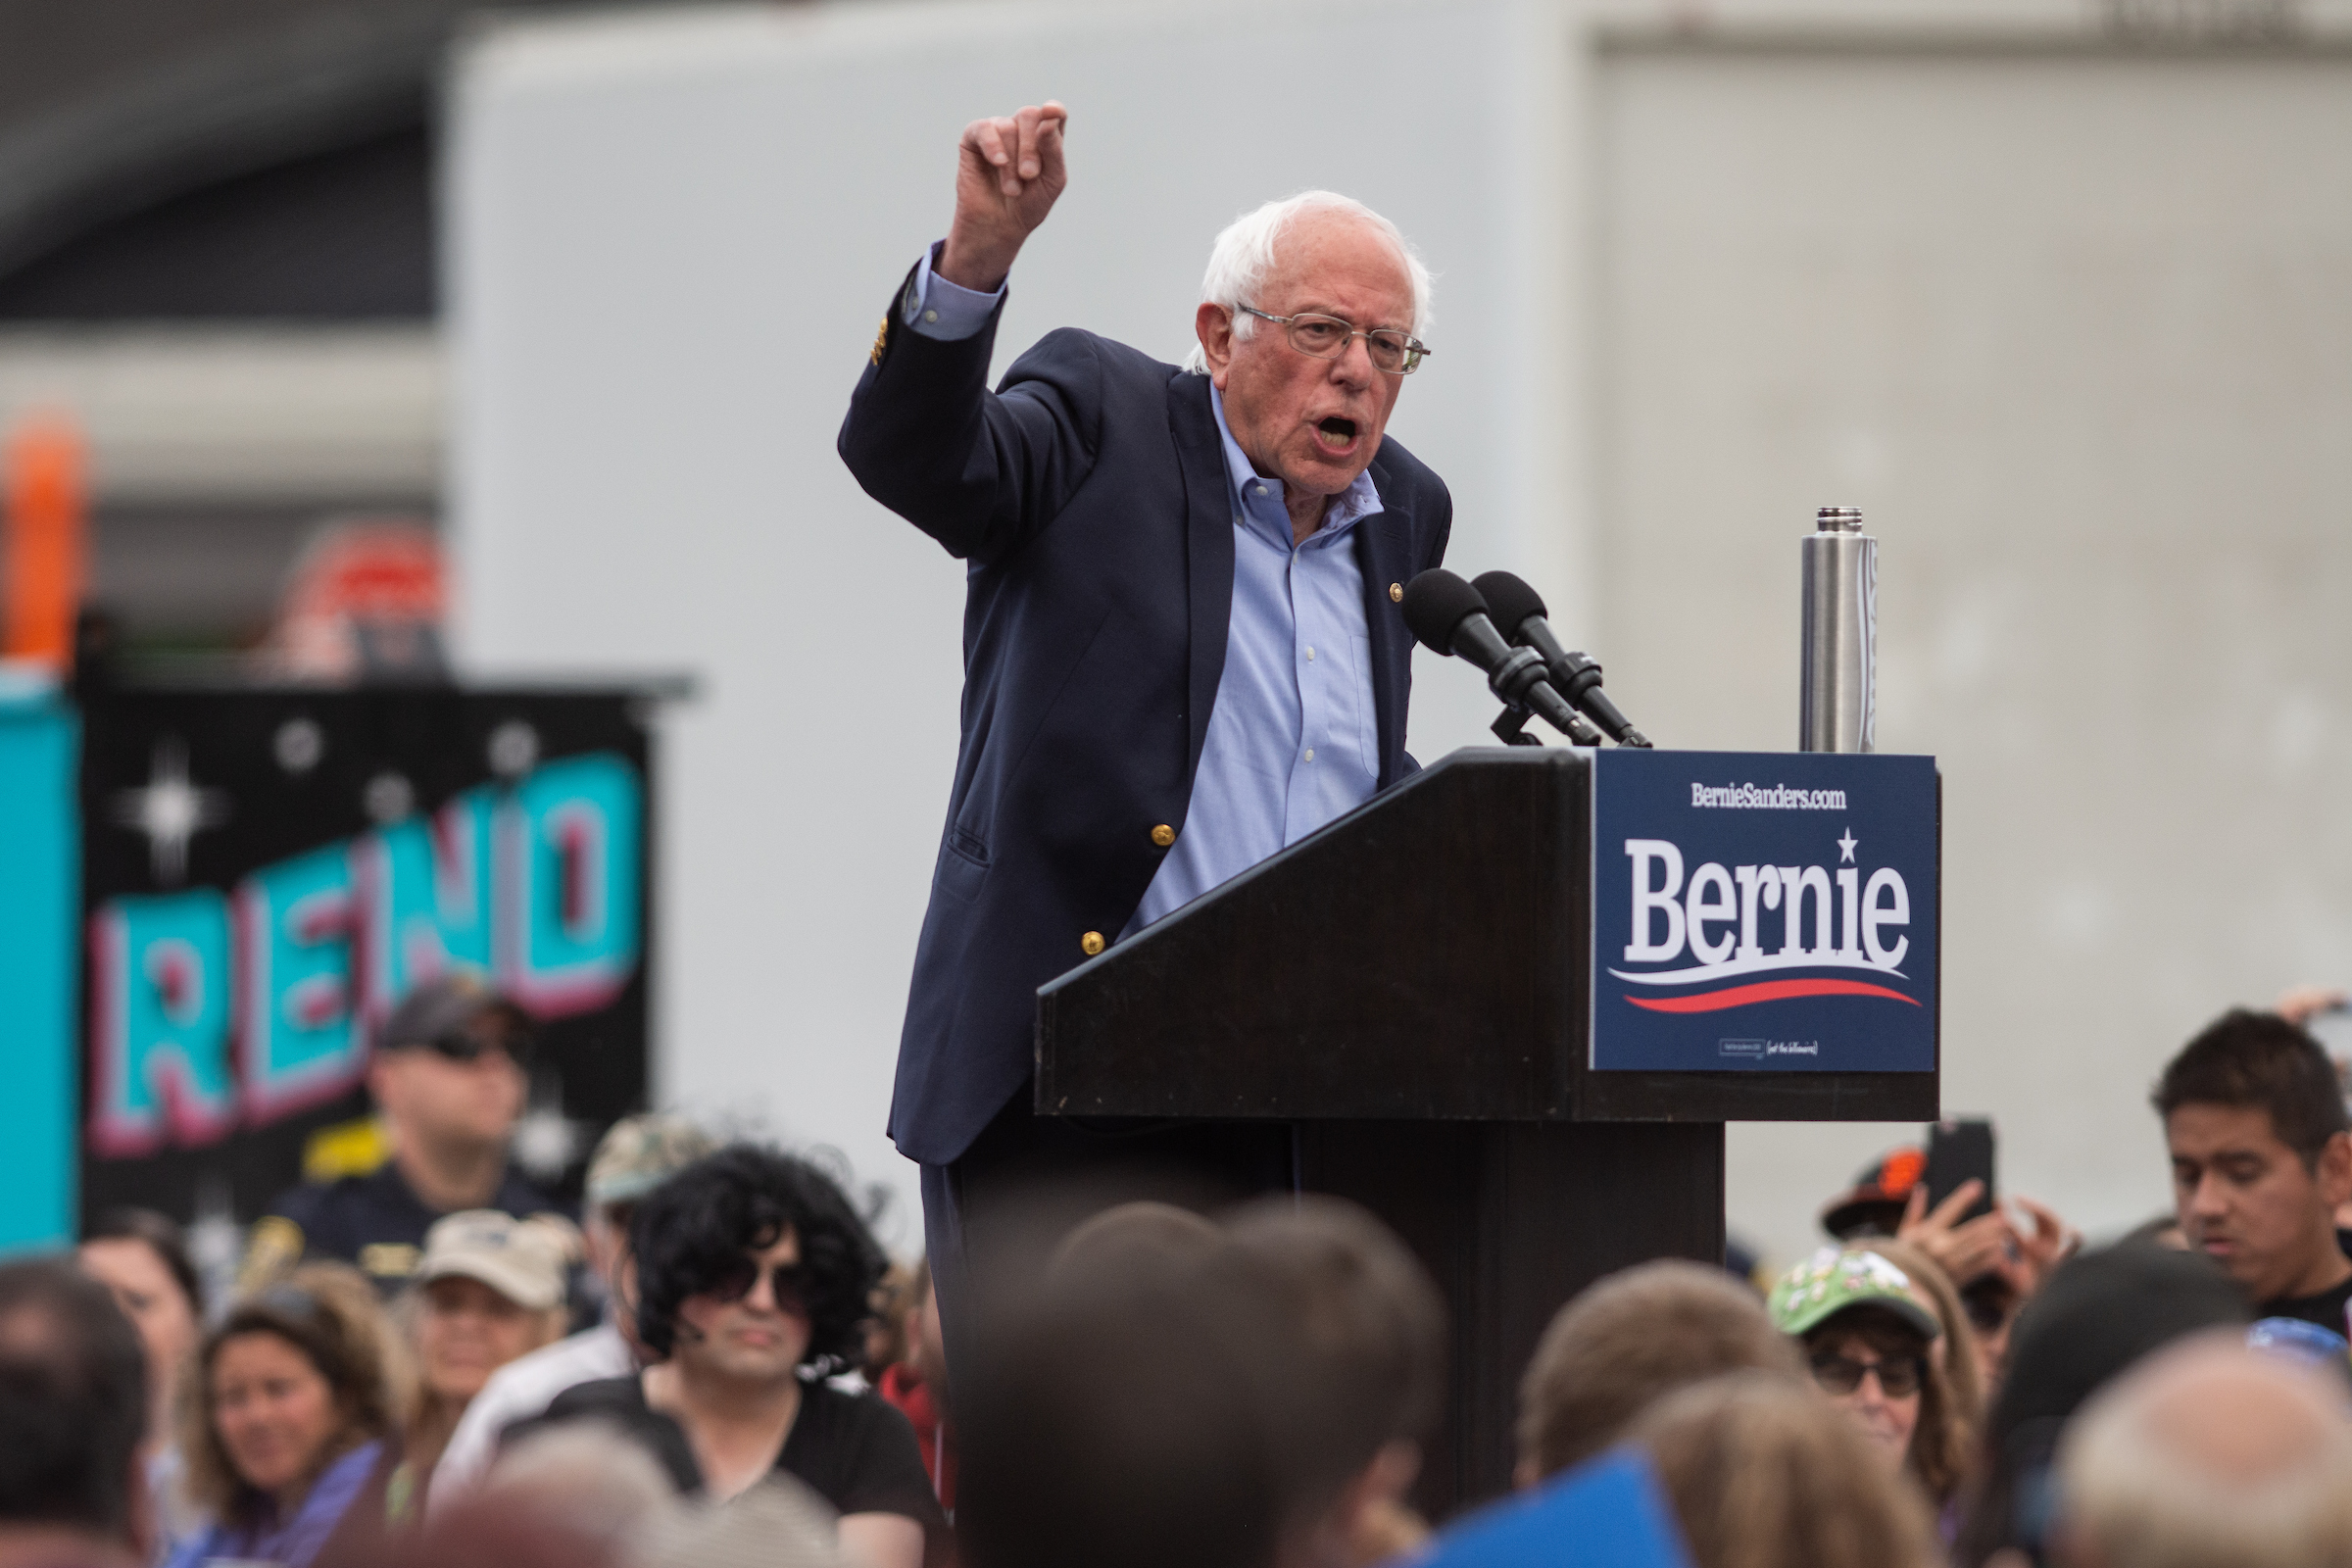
x=1336, y=433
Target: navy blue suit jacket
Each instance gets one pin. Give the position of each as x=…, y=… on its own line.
x=1089, y=495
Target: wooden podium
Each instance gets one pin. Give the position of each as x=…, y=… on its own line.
x=1413, y=989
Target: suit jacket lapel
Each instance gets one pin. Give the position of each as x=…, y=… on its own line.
x=1208, y=550
x=1384, y=544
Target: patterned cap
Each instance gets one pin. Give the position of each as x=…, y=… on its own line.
x=1874, y=1204
x=523, y=1259
x=1830, y=1282
x=638, y=1153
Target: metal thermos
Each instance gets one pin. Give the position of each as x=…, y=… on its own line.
x=1837, y=680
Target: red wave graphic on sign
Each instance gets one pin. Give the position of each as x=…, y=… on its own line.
x=1767, y=991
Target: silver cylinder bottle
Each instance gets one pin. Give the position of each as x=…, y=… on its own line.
x=1837, y=677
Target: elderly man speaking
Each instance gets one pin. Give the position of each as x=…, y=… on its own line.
x=1182, y=643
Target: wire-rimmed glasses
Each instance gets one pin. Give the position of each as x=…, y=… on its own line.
x=1326, y=337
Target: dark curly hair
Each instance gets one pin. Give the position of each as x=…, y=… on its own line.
x=694, y=1228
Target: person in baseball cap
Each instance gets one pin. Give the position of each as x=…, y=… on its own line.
x=524, y=1260
x=1869, y=1335
x=1874, y=1204
x=449, y=1077
x=489, y=1289
x=636, y=1155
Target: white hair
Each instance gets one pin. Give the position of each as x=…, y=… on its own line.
x=1243, y=254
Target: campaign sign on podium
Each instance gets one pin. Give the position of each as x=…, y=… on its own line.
x=1764, y=911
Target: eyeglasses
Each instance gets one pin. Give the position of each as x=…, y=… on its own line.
x=1326, y=337
x=1898, y=1379
x=787, y=1284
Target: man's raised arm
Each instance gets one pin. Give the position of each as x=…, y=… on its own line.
x=924, y=436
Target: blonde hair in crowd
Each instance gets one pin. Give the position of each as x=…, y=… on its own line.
x=1765, y=1473
x=2136, y=1491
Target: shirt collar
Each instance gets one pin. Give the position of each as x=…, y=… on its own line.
x=1259, y=500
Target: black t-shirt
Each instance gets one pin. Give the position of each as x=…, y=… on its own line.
x=854, y=1450
x=2327, y=1308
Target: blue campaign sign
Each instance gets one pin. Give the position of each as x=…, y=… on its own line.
x=1764, y=911
x=1607, y=1513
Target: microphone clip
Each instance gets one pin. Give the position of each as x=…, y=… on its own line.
x=1510, y=728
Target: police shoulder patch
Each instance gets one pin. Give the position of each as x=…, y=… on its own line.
x=388, y=1260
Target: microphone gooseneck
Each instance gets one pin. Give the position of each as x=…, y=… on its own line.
x=1519, y=610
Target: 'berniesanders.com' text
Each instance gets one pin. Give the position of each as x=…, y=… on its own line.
x=1767, y=797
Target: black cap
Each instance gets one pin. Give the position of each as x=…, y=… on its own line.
x=438, y=1015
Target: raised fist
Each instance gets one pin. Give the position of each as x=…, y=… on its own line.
x=1009, y=170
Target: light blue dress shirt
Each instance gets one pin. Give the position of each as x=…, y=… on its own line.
x=1294, y=739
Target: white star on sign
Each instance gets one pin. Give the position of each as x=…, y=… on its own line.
x=1845, y=846
x=169, y=809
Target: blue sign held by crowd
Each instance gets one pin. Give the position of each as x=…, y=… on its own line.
x=1764, y=911
x=1610, y=1513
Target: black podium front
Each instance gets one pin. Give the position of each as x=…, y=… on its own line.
x=1413, y=988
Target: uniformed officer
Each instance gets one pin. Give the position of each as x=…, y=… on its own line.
x=449, y=1079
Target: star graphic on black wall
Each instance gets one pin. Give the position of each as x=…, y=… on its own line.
x=169, y=809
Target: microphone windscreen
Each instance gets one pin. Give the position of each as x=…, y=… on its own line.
x=1435, y=603
x=1509, y=600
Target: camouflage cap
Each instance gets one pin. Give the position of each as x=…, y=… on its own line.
x=638, y=1153
x=1830, y=1282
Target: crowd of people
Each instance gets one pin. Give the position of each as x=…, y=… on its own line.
x=719, y=1365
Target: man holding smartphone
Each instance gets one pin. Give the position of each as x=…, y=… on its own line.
x=2261, y=1149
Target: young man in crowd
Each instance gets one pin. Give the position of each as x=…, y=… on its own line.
x=2261, y=1157
x=636, y=1155
x=73, y=1412
x=449, y=1077
x=754, y=1281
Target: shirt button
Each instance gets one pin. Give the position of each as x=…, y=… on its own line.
x=1310, y=654
x=1310, y=754
x=930, y=316
x=1163, y=835
x=1262, y=489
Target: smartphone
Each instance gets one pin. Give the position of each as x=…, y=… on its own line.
x=1957, y=1152
x=2331, y=1027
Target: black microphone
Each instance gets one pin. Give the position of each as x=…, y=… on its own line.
x=1448, y=617
x=1519, y=610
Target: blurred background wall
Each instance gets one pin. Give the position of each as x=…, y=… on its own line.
x=2053, y=289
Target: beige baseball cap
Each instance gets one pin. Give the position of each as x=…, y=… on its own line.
x=524, y=1260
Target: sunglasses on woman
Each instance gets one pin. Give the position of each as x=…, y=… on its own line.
x=1898, y=1379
